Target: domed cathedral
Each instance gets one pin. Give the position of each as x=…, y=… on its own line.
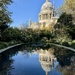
x=47, y=17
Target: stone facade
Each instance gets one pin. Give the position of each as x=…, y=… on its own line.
x=47, y=18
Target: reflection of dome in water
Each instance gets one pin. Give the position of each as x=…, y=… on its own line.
x=47, y=60
x=46, y=66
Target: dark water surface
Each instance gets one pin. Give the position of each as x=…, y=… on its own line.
x=26, y=60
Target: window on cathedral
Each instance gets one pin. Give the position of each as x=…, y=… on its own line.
x=43, y=16
x=53, y=14
x=46, y=16
x=44, y=23
x=50, y=15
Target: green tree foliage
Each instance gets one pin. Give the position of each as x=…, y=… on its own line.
x=64, y=28
x=5, y=19
x=68, y=7
x=11, y=34
x=45, y=33
x=65, y=19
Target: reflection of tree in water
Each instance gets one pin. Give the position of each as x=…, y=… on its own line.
x=6, y=61
x=66, y=61
x=63, y=56
x=5, y=65
x=68, y=70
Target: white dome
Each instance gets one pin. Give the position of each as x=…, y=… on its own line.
x=47, y=6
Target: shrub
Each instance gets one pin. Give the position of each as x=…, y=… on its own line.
x=3, y=45
x=73, y=45
x=65, y=44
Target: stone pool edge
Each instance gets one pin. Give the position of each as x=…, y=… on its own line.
x=9, y=47
x=72, y=49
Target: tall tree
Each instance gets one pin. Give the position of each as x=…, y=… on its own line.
x=63, y=28
x=5, y=19
x=68, y=7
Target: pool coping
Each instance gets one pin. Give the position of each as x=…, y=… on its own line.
x=69, y=48
x=9, y=47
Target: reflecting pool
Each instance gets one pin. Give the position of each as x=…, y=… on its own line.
x=27, y=60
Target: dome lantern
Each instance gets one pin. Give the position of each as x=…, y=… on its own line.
x=47, y=0
x=47, y=6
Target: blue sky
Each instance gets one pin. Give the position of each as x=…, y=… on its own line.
x=23, y=10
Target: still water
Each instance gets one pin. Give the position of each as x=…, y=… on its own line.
x=27, y=60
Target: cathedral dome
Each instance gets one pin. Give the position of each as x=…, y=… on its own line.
x=47, y=6
x=46, y=13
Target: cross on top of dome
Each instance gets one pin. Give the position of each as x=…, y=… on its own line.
x=47, y=0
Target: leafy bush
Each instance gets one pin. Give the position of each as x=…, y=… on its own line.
x=6, y=44
x=3, y=45
x=65, y=44
x=73, y=45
